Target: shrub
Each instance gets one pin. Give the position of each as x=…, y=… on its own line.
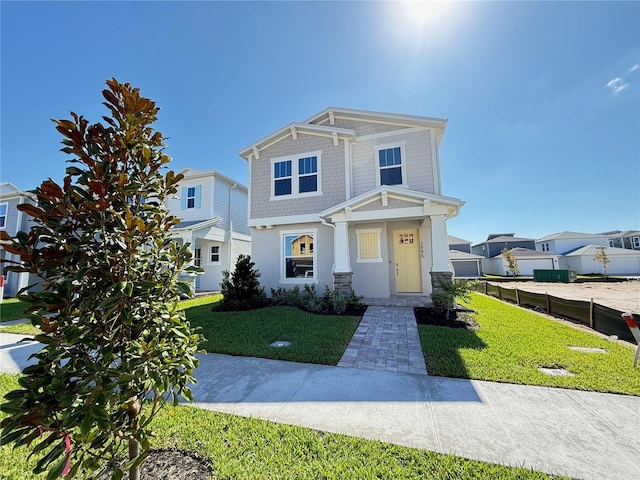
x=332, y=302
x=241, y=289
x=445, y=298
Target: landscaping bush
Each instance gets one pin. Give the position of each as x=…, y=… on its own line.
x=241, y=289
x=332, y=302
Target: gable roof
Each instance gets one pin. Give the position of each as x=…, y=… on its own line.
x=191, y=173
x=369, y=115
x=383, y=191
x=505, y=238
x=292, y=130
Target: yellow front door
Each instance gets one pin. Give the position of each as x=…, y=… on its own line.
x=406, y=249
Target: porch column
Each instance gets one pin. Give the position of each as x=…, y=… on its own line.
x=440, y=266
x=342, y=269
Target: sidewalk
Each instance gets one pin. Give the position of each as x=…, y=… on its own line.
x=579, y=434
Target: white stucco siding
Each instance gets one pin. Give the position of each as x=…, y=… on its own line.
x=331, y=177
x=418, y=161
x=563, y=246
x=370, y=279
x=267, y=253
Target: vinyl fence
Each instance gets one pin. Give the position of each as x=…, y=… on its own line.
x=598, y=317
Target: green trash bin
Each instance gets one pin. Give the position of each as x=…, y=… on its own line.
x=555, y=276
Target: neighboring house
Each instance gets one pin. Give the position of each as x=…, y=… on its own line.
x=213, y=212
x=629, y=239
x=361, y=187
x=563, y=242
x=623, y=261
x=527, y=259
x=495, y=242
x=466, y=264
x=12, y=221
x=459, y=244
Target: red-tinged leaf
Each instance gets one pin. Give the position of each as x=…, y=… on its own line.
x=31, y=210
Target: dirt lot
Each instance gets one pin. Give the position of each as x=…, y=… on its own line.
x=624, y=296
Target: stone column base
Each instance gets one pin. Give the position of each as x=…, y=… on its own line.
x=439, y=277
x=342, y=283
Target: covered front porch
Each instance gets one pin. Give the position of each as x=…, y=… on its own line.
x=391, y=245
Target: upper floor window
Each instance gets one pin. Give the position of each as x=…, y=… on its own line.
x=297, y=176
x=3, y=215
x=391, y=168
x=636, y=242
x=190, y=197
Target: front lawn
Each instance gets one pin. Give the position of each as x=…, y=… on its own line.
x=512, y=343
x=314, y=338
x=248, y=448
x=11, y=309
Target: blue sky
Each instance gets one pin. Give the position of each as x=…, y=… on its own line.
x=543, y=98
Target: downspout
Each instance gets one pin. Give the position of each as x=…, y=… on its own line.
x=324, y=222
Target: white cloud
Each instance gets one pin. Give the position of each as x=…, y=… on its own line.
x=616, y=85
x=634, y=68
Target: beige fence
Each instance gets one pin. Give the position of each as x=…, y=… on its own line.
x=598, y=317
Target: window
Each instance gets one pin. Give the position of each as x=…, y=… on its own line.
x=298, y=257
x=612, y=243
x=215, y=254
x=3, y=215
x=636, y=242
x=369, y=245
x=297, y=176
x=282, y=176
x=197, y=256
x=191, y=197
x=390, y=165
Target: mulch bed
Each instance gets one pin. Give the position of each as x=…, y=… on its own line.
x=459, y=318
x=173, y=465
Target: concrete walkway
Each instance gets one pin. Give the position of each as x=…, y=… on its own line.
x=583, y=435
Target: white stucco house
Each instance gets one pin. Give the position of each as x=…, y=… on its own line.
x=213, y=212
x=563, y=242
x=528, y=260
x=623, y=261
x=12, y=221
x=361, y=190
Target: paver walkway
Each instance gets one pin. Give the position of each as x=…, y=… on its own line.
x=386, y=339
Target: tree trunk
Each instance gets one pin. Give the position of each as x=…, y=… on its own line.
x=133, y=409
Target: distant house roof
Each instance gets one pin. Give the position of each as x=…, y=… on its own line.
x=196, y=224
x=569, y=235
x=591, y=250
x=493, y=236
x=620, y=233
x=520, y=252
x=192, y=173
x=455, y=240
x=504, y=239
x=458, y=255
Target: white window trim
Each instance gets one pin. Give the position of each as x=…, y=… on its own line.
x=295, y=176
x=369, y=260
x=6, y=215
x=403, y=165
x=635, y=242
x=211, y=245
x=299, y=281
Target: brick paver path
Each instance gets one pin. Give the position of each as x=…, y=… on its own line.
x=386, y=339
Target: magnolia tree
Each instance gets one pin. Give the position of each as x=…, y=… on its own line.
x=116, y=347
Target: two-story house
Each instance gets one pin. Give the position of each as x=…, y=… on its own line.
x=213, y=212
x=563, y=242
x=495, y=242
x=362, y=189
x=12, y=221
x=629, y=239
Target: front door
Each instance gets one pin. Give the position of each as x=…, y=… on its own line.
x=406, y=249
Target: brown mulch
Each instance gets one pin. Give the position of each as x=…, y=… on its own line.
x=173, y=465
x=456, y=319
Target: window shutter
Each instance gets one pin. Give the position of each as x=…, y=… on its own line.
x=198, y=192
x=183, y=198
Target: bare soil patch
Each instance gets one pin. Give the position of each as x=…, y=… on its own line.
x=623, y=296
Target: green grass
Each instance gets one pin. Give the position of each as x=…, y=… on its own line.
x=314, y=338
x=11, y=309
x=512, y=343
x=246, y=448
